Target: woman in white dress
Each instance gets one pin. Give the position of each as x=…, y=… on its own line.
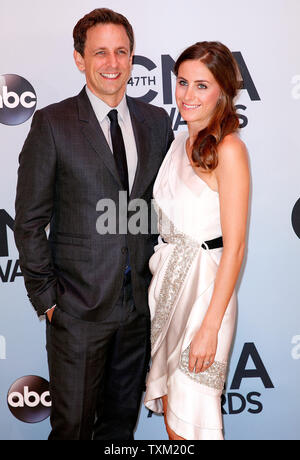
x=201, y=197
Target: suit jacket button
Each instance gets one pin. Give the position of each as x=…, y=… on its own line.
x=124, y=250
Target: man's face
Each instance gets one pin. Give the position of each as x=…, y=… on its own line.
x=106, y=62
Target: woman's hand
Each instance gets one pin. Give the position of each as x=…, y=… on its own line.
x=203, y=349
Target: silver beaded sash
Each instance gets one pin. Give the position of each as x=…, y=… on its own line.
x=180, y=261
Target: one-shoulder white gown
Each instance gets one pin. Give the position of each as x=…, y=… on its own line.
x=183, y=280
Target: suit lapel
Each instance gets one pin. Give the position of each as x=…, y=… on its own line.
x=94, y=134
x=147, y=164
x=146, y=168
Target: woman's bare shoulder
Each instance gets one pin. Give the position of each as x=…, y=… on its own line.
x=231, y=142
x=232, y=156
x=232, y=148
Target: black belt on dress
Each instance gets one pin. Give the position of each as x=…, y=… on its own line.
x=213, y=244
x=210, y=244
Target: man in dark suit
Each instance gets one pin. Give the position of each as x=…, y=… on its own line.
x=92, y=285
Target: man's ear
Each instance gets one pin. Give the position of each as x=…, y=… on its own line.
x=131, y=58
x=79, y=61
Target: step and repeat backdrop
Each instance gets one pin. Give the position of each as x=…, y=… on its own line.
x=262, y=396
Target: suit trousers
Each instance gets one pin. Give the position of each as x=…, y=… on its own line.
x=97, y=372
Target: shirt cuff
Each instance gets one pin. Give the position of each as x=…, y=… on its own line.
x=50, y=308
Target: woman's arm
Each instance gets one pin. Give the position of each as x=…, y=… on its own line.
x=232, y=174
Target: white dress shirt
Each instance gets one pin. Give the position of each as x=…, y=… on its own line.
x=101, y=110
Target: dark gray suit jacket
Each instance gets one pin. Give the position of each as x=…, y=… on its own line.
x=66, y=167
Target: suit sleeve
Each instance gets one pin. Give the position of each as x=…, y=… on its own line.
x=34, y=208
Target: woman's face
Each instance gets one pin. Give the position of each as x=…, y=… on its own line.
x=197, y=93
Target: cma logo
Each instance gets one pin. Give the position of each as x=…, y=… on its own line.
x=167, y=66
x=233, y=402
x=10, y=269
x=29, y=399
x=17, y=99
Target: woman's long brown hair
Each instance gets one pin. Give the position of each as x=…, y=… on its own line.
x=220, y=61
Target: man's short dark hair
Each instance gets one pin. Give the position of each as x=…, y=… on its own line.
x=100, y=16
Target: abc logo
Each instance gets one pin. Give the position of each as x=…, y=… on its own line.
x=17, y=99
x=29, y=399
x=296, y=218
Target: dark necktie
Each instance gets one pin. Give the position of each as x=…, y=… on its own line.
x=118, y=148
x=121, y=163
